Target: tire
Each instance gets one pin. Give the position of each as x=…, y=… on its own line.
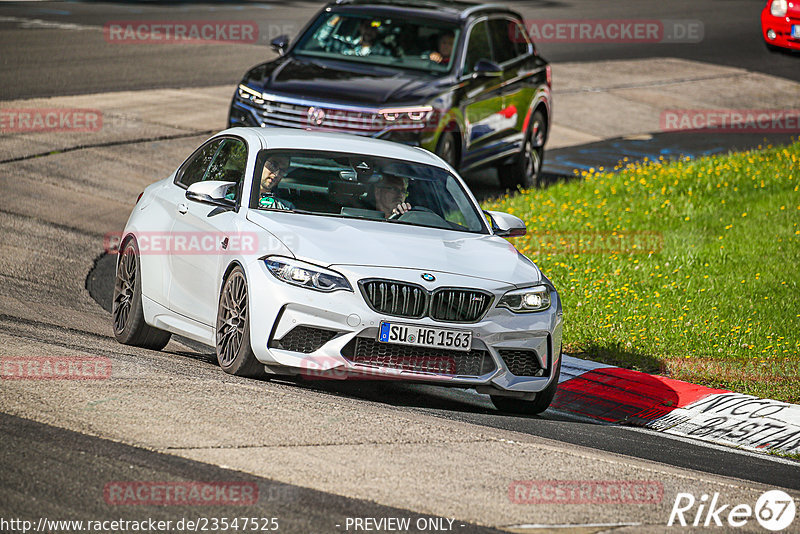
x=126, y=308
x=234, y=353
x=526, y=169
x=529, y=407
x=447, y=149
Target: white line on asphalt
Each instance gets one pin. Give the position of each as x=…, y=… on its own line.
x=39, y=24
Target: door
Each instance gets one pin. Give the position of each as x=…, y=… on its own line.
x=482, y=98
x=201, y=232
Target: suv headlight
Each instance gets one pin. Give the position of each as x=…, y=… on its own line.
x=778, y=8
x=408, y=118
x=250, y=95
x=310, y=276
x=528, y=300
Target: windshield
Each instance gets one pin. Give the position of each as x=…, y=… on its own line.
x=360, y=186
x=391, y=42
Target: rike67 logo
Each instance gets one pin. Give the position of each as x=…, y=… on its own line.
x=774, y=510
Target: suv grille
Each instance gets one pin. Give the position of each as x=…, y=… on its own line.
x=403, y=299
x=420, y=359
x=303, y=339
x=521, y=362
x=290, y=114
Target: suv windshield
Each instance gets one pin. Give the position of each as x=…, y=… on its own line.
x=400, y=43
x=361, y=186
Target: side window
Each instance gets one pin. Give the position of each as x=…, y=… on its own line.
x=519, y=36
x=504, y=48
x=229, y=165
x=478, y=46
x=194, y=170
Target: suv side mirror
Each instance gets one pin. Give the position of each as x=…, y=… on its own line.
x=280, y=43
x=487, y=69
x=505, y=224
x=211, y=192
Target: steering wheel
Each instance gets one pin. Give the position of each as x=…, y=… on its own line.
x=395, y=216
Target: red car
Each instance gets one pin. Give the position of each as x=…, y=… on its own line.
x=780, y=24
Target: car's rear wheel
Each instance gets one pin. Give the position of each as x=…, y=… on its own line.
x=126, y=308
x=529, y=407
x=234, y=352
x=526, y=169
x=447, y=149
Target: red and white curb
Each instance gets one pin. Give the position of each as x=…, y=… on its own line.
x=622, y=396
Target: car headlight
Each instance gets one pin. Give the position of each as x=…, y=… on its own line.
x=532, y=299
x=407, y=117
x=250, y=95
x=778, y=8
x=300, y=273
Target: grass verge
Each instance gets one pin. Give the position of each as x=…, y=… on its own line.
x=688, y=268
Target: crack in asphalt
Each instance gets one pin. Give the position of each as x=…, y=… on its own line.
x=108, y=144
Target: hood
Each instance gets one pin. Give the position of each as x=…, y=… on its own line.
x=339, y=81
x=331, y=241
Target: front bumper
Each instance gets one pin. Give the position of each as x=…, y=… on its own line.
x=338, y=333
x=782, y=27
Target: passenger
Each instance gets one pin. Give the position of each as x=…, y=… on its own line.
x=272, y=174
x=444, y=48
x=367, y=42
x=390, y=195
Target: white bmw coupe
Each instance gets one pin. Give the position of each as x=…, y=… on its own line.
x=333, y=256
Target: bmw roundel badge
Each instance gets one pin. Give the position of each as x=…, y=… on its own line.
x=428, y=277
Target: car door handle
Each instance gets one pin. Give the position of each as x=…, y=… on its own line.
x=182, y=208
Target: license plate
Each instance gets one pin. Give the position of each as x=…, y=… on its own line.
x=424, y=336
x=796, y=31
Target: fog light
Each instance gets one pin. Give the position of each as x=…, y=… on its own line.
x=771, y=35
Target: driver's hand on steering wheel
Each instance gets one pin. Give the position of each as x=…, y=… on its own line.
x=401, y=208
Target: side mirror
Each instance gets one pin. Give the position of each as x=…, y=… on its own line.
x=505, y=224
x=280, y=44
x=211, y=192
x=487, y=69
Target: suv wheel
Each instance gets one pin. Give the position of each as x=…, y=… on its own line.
x=447, y=149
x=526, y=169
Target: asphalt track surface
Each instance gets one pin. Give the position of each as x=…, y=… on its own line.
x=61, y=60
x=463, y=405
x=62, y=57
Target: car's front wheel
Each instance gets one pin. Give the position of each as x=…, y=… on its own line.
x=529, y=407
x=526, y=169
x=234, y=353
x=126, y=308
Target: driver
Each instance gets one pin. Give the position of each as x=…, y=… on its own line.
x=390, y=195
x=272, y=174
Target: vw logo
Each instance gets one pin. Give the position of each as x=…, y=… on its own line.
x=428, y=277
x=315, y=116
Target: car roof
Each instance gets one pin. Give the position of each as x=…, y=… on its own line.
x=292, y=138
x=454, y=11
